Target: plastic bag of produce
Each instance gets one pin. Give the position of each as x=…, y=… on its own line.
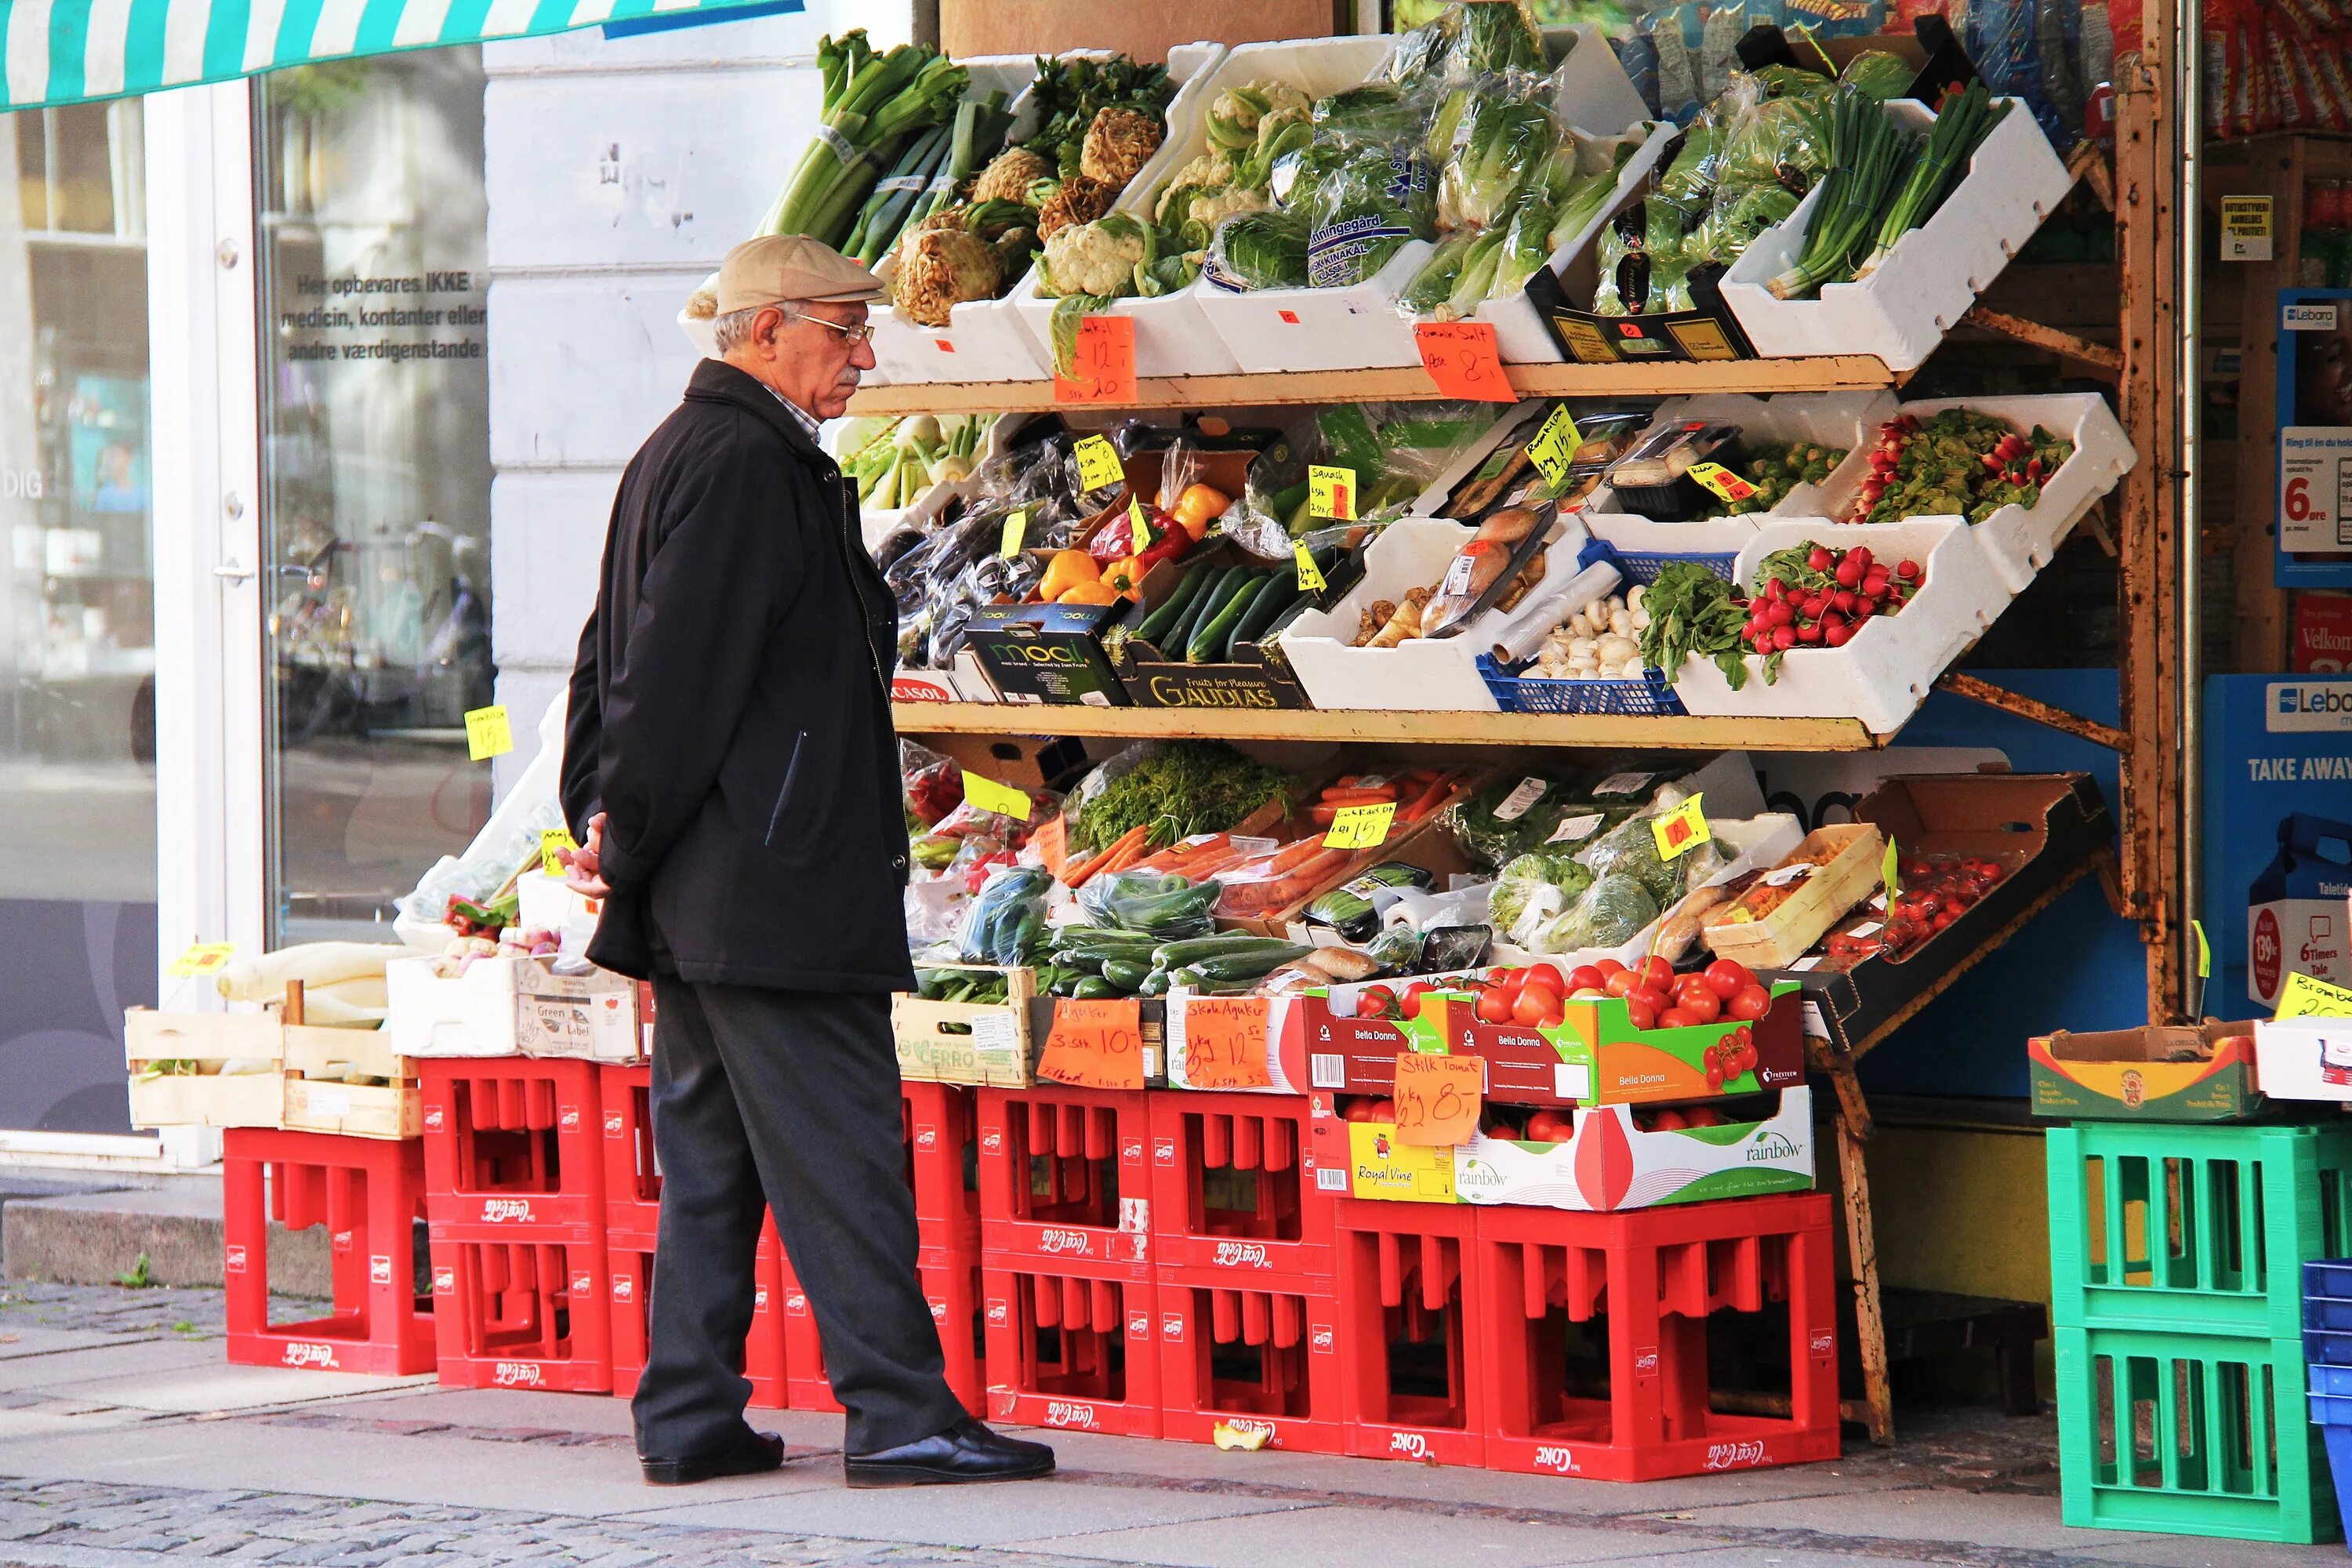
x=1259, y=251
x=1489, y=136
x=1775, y=137
x=1006, y=920
x=1362, y=203
x=1160, y=903
x=1612, y=912
x=1396, y=451
x=1533, y=890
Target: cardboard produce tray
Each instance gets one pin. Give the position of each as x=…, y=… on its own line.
x=318, y=1100
x=1819, y=901
x=1611, y=1164
x=2132, y=1074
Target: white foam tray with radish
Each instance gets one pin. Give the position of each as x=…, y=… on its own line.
x=2022, y=540
x=1902, y=310
x=1883, y=670
x=1358, y=327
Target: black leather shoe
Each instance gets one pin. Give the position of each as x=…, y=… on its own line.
x=754, y=1453
x=967, y=1451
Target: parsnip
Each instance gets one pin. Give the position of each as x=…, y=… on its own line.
x=1405, y=622
x=265, y=976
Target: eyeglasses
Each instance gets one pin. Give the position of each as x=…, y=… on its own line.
x=852, y=335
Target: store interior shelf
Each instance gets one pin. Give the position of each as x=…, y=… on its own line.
x=1385, y=727
x=1844, y=373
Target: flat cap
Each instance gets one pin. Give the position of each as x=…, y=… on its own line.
x=791, y=267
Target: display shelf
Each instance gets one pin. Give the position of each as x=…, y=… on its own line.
x=1846, y=372
x=1385, y=727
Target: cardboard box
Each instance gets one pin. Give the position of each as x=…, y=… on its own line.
x=510, y=1006
x=2305, y=1058
x=1048, y=653
x=1379, y=1166
x=175, y=1061
x=1257, y=678
x=1612, y=1164
x=2132, y=1074
x=991, y=1045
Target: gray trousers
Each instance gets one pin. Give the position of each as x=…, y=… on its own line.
x=788, y=1101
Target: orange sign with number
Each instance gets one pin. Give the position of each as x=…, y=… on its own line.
x=1225, y=1042
x=1438, y=1098
x=1462, y=360
x=1102, y=365
x=1095, y=1045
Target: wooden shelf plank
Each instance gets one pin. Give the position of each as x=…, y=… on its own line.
x=1385, y=727
x=1846, y=372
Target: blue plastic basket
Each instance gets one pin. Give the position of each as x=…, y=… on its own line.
x=2321, y=1347
x=1516, y=692
x=2332, y=1379
x=2328, y=1277
x=1643, y=565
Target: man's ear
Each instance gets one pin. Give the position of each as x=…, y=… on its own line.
x=766, y=325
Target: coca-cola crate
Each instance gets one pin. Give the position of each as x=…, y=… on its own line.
x=1235, y=1188
x=1065, y=1178
x=512, y=1141
x=632, y=1174
x=942, y=1168
x=630, y=1268
x=1256, y=1356
x=514, y=1312
x=1412, y=1358
x=951, y=1289
x=1072, y=1345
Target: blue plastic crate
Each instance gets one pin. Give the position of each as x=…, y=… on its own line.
x=2322, y=1347
x=1518, y=692
x=2340, y=1466
x=2334, y=1380
x=1643, y=565
x=2328, y=1277
x=2330, y=1312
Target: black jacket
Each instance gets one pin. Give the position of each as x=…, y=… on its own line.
x=729, y=714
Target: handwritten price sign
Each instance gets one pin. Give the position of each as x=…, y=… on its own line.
x=1438, y=1098
x=1727, y=485
x=1462, y=360
x=1102, y=365
x=1681, y=830
x=1095, y=1045
x=1360, y=826
x=1555, y=446
x=1331, y=492
x=1225, y=1042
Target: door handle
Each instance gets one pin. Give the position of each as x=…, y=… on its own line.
x=232, y=572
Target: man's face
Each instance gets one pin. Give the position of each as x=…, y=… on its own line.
x=808, y=362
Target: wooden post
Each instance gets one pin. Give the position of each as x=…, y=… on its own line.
x=1862, y=1244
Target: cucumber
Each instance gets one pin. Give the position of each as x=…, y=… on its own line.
x=1197, y=613
x=1229, y=625
x=1250, y=965
x=1094, y=988
x=1127, y=974
x=1281, y=592
x=1192, y=949
x=1171, y=610
x=1155, y=983
x=1210, y=636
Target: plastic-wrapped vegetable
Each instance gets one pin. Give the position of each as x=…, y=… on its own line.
x=1534, y=889
x=1363, y=201
x=1007, y=923
x=1496, y=34
x=1779, y=140
x=1161, y=903
x=1260, y=250
x=1740, y=214
x=1612, y=911
x=1234, y=116
x=1492, y=136
x=1378, y=111
x=1879, y=74
x=1631, y=849
x=1519, y=811
x=1396, y=449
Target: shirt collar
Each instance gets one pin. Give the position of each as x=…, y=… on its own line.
x=808, y=421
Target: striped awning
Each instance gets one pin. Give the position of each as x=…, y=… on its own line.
x=70, y=51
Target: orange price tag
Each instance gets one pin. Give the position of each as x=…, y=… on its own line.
x=1052, y=842
x=1461, y=359
x=1095, y=1045
x=1102, y=364
x=1438, y=1098
x=1225, y=1042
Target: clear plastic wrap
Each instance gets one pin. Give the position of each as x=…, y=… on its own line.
x=1161, y=903
x=1005, y=923
x=1396, y=449
x=1488, y=137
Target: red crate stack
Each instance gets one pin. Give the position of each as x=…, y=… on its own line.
x=1234, y=1189
x=1596, y=1329
x=941, y=1133
x=1411, y=1351
x=368, y=1193
x=1251, y=1354
x=1072, y=1345
x=1064, y=1178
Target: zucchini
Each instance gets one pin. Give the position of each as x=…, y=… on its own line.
x=1349, y=910
x=1197, y=613
x=1279, y=593
x=1210, y=634
x=1238, y=614
x=1252, y=965
x=1171, y=610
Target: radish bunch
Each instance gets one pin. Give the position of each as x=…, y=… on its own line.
x=1814, y=596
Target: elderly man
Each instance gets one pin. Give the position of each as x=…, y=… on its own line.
x=731, y=772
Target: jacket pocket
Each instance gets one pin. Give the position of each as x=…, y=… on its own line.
x=782, y=832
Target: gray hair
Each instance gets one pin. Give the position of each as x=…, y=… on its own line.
x=733, y=330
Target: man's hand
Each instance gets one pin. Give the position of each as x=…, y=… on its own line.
x=579, y=865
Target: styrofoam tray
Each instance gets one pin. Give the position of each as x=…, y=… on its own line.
x=1751, y=844
x=877, y=524
x=1845, y=419
x=1521, y=335
x=1431, y=674
x=1902, y=310
x=1172, y=335
x=1881, y=674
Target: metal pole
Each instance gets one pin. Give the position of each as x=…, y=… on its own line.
x=2187, y=55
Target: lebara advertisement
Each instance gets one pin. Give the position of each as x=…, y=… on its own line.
x=2278, y=836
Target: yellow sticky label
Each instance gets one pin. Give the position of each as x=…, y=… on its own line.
x=984, y=793
x=204, y=958
x=1555, y=445
x=1727, y=485
x=1360, y=826
x=1331, y=492
x=1310, y=576
x=2204, y=954
x=1139, y=536
x=1016, y=528
x=1888, y=870
x=486, y=735
x=554, y=841
x=2304, y=997
x=1098, y=464
x=1681, y=830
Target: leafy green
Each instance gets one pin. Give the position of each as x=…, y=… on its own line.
x=1534, y=886
x=1879, y=74
x=1185, y=787
x=1692, y=611
x=1261, y=250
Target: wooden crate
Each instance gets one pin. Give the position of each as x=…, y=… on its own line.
x=165, y=1094
x=1789, y=931
x=992, y=1045
x=317, y=1104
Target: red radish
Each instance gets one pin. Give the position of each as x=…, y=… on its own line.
x=1908, y=570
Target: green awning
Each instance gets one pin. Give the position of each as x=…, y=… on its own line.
x=71, y=51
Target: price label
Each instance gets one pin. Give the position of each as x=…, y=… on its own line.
x=1139, y=535
x=204, y=958
x=554, y=844
x=1095, y=1045
x=1223, y=1040
x=1331, y=492
x=1888, y=870
x=1782, y=877
x=1052, y=842
x=984, y=793
x=1576, y=829
x=486, y=735
x=1461, y=359
x=2204, y=954
x=1016, y=528
x=1360, y=826
x=1310, y=576
x=1102, y=363
x=1520, y=801
x=1555, y=445
x=1098, y=464
x=1727, y=485
x=2304, y=997
x=1438, y=1098
x=1681, y=830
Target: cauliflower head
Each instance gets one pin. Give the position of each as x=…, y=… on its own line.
x=1098, y=258
x=1118, y=142
x=1079, y=200
x=1211, y=208
x=941, y=267
x=1010, y=174
x=1234, y=113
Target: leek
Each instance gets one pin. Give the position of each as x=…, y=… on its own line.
x=1965, y=117
x=1867, y=156
x=872, y=102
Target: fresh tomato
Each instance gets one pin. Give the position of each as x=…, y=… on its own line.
x=1703, y=1118
x=1376, y=1002
x=1658, y=1000
x=1359, y=1110
x=1704, y=1005
x=1534, y=1005
x=1727, y=977
x=1410, y=1005
x=1608, y=966
x=1549, y=1127
x=1640, y=1014
x=1676, y=1019
x=1494, y=1005
x=1548, y=976
x=1655, y=972
x=1749, y=1003
x=1383, y=1110
x=1621, y=982
x=1505, y=979
x=1585, y=976
x=1669, y=1121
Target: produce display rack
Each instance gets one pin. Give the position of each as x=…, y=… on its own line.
x=1384, y=727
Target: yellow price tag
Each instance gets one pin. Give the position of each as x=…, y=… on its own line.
x=1139, y=536
x=204, y=958
x=1360, y=826
x=1310, y=576
x=1727, y=485
x=2204, y=954
x=554, y=841
x=1886, y=873
x=1098, y=464
x=1555, y=445
x=486, y=735
x=1681, y=830
x=1016, y=528
x=1331, y=492
x=2304, y=997
x=984, y=793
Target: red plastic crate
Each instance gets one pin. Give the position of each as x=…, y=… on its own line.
x=509, y=1311
x=951, y=1289
x=942, y=1148
x=1072, y=1345
x=1064, y=1179
x=1234, y=1190
x=368, y=1193
x=1412, y=1360
x=1252, y=1355
x=631, y=1178
x=631, y=1268
x=513, y=1141
x=1596, y=1331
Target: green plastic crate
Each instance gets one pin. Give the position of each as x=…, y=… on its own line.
x=2193, y=1229
x=2189, y=1435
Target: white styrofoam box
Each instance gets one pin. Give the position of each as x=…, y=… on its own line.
x=877, y=524
x=504, y=1006
x=1846, y=420
x=2303, y=1058
x=582, y=397
x=1902, y=310
x=1272, y=331
x=1438, y=674
x=1751, y=844
x=1172, y=335
x=2021, y=541
x=1883, y=673
x=547, y=903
